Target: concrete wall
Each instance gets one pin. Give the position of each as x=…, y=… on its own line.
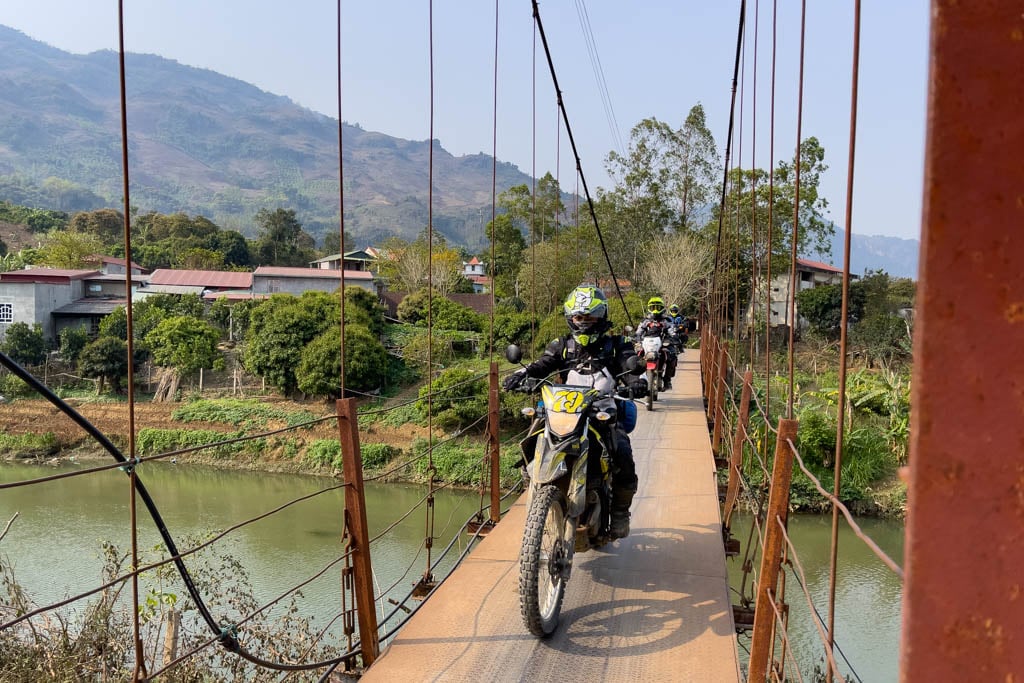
x=264, y=284
x=33, y=302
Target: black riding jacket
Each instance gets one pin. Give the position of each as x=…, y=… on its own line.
x=565, y=353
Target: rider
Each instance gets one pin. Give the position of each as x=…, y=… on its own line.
x=682, y=325
x=586, y=312
x=656, y=317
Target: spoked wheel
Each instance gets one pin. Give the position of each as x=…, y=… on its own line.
x=544, y=560
x=652, y=389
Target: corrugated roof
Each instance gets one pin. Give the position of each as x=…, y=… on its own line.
x=151, y=289
x=115, y=277
x=818, y=265
x=234, y=295
x=281, y=271
x=202, y=278
x=46, y=275
x=91, y=306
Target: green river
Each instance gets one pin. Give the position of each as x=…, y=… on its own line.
x=54, y=546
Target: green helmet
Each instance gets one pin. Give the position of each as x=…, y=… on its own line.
x=655, y=305
x=586, y=312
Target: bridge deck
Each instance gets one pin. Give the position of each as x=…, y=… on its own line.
x=652, y=607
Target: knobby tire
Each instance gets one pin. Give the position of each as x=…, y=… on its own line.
x=536, y=581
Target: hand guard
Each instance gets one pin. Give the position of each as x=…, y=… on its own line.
x=513, y=381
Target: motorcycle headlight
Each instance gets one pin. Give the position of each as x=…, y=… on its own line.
x=562, y=424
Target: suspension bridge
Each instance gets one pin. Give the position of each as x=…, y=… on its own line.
x=657, y=604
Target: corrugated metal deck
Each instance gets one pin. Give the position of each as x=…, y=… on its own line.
x=651, y=607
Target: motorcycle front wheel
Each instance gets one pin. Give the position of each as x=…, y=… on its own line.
x=652, y=389
x=548, y=543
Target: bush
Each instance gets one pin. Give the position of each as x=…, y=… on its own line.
x=25, y=344
x=319, y=371
x=447, y=315
x=459, y=400
x=325, y=452
x=377, y=455
x=247, y=413
x=72, y=341
x=24, y=445
x=154, y=441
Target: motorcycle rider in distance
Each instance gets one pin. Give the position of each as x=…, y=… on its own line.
x=682, y=325
x=586, y=312
x=656, y=317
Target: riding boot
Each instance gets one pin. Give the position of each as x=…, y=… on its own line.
x=622, y=498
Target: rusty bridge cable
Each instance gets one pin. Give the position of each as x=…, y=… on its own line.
x=840, y=417
x=796, y=212
x=771, y=226
x=341, y=213
x=753, y=192
x=533, y=197
x=728, y=148
x=428, y=540
x=140, y=664
x=576, y=156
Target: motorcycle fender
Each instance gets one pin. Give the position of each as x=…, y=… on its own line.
x=548, y=465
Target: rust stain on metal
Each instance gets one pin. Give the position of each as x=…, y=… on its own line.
x=978, y=631
x=1015, y=312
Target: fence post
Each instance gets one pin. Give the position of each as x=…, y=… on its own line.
x=355, y=520
x=762, y=642
x=493, y=447
x=719, y=410
x=736, y=460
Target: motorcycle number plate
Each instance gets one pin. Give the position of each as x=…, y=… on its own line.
x=567, y=401
x=652, y=365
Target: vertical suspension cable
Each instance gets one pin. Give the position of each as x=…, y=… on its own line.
x=715, y=280
x=429, y=540
x=533, y=205
x=139, y=671
x=738, y=174
x=494, y=176
x=771, y=226
x=341, y=217
x=796, y=210
x=837, y=475
x=492, y=269
x=753, y=194
x=558, y=187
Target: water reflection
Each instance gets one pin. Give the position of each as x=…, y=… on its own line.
x=54, y=546
x=868, y=594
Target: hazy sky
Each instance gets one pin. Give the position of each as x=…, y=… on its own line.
x=659, y=58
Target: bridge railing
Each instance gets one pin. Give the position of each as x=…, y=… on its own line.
x=360, y=627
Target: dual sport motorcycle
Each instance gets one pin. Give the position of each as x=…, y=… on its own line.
x=569, y=496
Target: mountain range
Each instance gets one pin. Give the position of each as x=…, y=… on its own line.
x=201, y=142
x=895, y=255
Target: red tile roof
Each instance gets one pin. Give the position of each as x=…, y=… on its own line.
x=474, y=262
x=818, y=265
x=281, y=271
x=202, y=278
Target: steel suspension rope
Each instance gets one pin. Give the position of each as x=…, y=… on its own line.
x=576, y=155
x=771, y=227
x=533, y=196
x=428, y=541
x=728, y=150
x=837, y=472
x=341, y=210
x=140, y=664
x=796, y=210
x=753, y=193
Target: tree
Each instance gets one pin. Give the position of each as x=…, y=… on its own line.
x=197, y=258
x=183, y=343
x=508, y=253
x=72, y=341
x=282, y=241
x=447, y=315
x=106, y=225
x=24, y=343
x=106, y=360
x=319, y=370
x=280, y=327
x=359, y=300
x=822, y=307
x=69, y=249
x=407, y=265
x=675, y=265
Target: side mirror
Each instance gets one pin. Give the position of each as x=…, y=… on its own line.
x=632, y=363
x=513, y=353
x=628, y=329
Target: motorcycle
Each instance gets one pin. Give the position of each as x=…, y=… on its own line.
x=655, y=355
x=569, y=496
